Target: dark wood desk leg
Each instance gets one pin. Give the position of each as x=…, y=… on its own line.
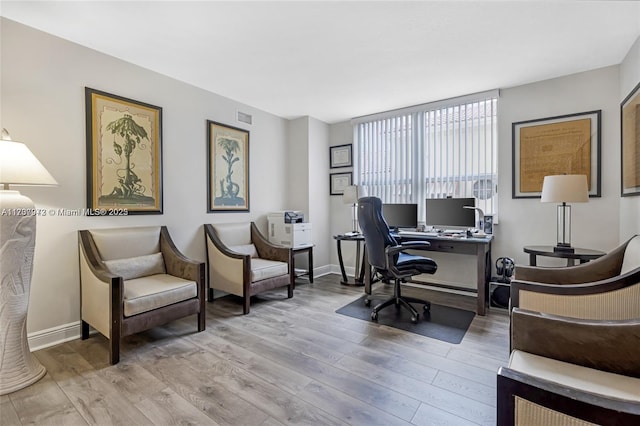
x=341, y=262
x=532, y=259
x=293, y=267
x=311, y=265
x=367, y=273
x=483, y=289
x=361, y=278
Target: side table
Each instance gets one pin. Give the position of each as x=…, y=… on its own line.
x=359, y=269
x=583, y=255
x=309, y=250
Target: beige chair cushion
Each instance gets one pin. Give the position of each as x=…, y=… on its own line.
x=136, y=267
x=154, y=291
x=234, y=234
x=121, y=243
x=262, y=269
x=576, y=376
x=249, y=249
x=631, y=258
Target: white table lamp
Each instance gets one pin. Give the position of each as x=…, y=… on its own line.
x=564, y=189
x=351, y=195
x=18, y=166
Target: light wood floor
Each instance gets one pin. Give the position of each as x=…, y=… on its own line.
x=290, y=361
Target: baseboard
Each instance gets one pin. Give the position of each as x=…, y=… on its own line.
x=54, y=336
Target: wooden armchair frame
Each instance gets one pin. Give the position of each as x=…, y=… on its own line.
x=176, y=264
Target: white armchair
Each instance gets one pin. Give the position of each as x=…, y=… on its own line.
x=133, y=279
x=241, y=261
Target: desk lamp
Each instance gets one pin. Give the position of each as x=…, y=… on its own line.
x=564, y=189
x=350, y=196
x=18, y=166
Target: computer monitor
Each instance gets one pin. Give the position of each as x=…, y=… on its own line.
x=450, y=212
x=400, y=215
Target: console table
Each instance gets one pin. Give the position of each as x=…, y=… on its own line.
x=583, y=255
x=476, y=246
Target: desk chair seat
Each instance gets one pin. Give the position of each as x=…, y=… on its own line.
x=390, y=259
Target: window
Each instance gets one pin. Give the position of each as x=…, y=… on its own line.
x=437, y=150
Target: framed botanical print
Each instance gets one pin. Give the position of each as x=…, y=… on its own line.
x=228, y=168
x=124, y=155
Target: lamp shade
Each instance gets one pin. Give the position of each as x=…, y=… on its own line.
x=18, y=166
x=565, y=189
x=352, y=193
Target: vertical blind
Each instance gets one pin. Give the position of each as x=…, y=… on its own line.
x=437, y=150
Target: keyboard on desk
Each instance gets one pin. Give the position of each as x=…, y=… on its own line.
x=417, y=234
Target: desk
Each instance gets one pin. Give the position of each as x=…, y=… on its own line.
x=302, y=249
x=477, y=246
x=583, y=255
x=359, y=239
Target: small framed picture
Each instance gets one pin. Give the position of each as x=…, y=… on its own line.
x=339, y=181
x=340, y=156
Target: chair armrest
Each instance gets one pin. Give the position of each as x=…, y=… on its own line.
x=602, y=268
x=176, y=263
x=267, y=250
x=612, y=346
x=590, y=407
x=410, y=245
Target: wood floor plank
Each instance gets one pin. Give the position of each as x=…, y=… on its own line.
x=290, y=361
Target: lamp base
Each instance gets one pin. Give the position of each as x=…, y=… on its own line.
x=563, y=249
x=18, y=367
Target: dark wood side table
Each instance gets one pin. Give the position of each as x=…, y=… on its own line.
x=359, y=269
x=583, y=255
x=309, y=250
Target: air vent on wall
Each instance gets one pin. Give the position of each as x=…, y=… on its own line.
x=245, y=118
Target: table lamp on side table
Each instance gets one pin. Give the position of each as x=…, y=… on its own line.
x=350, y=196
x=564, y=189
x=18, y=166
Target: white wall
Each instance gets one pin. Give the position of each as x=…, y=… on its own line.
x=629, y=78
x=42, y=104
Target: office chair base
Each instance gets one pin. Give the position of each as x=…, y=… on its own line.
x=399, y=301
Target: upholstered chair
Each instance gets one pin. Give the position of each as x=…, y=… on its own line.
x=241, y=261
x=133, y=279
x=607, y=288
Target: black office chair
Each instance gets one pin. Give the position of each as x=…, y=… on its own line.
x=389, y=258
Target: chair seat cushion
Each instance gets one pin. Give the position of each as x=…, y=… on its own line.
x=155, y=291
x=409, y=261
x=576, y=376
x=262, y=269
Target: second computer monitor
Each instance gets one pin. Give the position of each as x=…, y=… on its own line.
x=401, y=215
x=450, y=212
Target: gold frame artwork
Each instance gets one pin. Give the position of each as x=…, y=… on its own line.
x=124, y=155
x=630, y=150
x=228, y=168
x=566, y=144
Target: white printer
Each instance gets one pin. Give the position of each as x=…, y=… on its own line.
x=288, y=228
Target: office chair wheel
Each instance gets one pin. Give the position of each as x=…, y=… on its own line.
x=414, y=318
x=374, y=316
x=367, y=302
x=427, y=307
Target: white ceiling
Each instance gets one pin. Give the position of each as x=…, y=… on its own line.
x=334, y=60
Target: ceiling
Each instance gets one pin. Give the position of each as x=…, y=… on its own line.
x=334, y=60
